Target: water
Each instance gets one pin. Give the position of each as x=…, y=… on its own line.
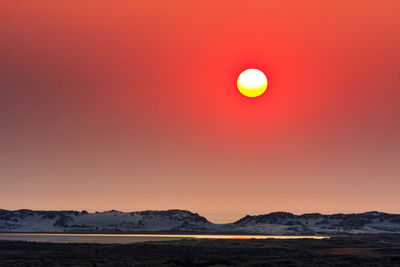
x=129, y=238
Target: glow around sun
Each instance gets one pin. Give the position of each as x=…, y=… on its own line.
x=252, y=83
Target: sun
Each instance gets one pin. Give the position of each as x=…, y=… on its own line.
x=252, y=83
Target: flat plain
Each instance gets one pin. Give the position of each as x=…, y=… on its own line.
x=362, y=250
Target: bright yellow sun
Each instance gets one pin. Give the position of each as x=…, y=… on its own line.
x=252, y=82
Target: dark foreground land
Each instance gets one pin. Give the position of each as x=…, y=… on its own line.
x=367, y=250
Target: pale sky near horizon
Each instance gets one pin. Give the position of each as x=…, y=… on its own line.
x=133, y=105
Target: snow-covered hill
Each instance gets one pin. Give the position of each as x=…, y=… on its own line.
x=315, y=223
x=278, y=223
x=72, y=221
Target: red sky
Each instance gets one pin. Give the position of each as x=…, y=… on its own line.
x=133, y=105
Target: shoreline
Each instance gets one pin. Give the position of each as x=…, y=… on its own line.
x=181, y=236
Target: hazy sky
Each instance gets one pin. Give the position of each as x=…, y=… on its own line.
x=133, y=105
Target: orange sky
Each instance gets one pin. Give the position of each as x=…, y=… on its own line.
x=133, y=105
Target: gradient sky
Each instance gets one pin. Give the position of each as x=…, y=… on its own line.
x=133, y=105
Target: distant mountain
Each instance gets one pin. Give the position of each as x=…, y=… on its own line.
x=277, y=223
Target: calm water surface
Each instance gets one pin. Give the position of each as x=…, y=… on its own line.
x=129, y=238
